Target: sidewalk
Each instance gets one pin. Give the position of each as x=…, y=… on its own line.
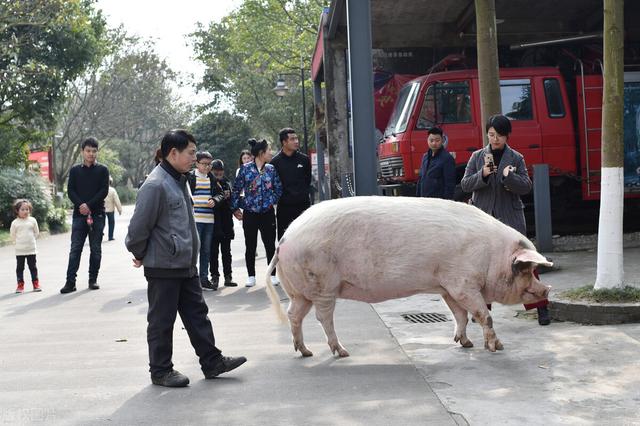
x=81, y=358
x=564, y=373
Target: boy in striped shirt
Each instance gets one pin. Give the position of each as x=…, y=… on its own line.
x=201, y=182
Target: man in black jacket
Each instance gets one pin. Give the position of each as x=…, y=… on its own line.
x=438, y=169
x=223, y=227
x=87, y=188
x=294, y=170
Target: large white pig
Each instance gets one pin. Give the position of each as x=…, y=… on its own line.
x=378, y=248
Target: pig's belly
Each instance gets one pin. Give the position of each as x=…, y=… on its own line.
x=382, y=293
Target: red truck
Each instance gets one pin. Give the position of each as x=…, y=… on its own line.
x=549, y=126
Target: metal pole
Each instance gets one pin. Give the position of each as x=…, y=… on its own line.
x=542, y=207
x=304, y=110
x=361, y=78
x=317, y=97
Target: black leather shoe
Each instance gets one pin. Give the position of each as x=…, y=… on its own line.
x=543, y=316
x=171, y=379
x=224, y=365
x=228, y=282
x=206, y=285
x=93, y=285
x=68, y=288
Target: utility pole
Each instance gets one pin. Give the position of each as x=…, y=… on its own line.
x=610, y=253
x=487, y=47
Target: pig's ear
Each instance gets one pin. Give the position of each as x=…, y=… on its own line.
x=524, y=258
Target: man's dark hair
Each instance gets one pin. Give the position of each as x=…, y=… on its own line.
x=258, y=146
x=203, y=154
x=178, y=139
x=92, y=142
x=284, y=134
x=435, y=131
x=217, y=165
x=500, y=123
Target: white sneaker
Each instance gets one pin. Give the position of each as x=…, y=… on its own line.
x=251, y=281
x=275, y=280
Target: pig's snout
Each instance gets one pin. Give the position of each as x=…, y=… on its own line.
x=540, y=290
x=545, y=292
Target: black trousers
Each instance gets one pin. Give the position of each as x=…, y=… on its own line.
x=168, y=296
x=31, y=261
x=266, y=224
x=220, y=245
x=287, y=213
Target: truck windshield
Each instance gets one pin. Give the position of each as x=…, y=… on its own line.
x=402, y=111
x=445, y=102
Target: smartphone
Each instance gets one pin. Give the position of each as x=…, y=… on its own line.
x=488, y=160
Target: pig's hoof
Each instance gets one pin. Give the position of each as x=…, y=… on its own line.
x=488, y=346
x=466, y=343
x=343, y=353
x=306, y=353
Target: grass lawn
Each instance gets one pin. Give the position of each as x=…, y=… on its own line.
x=618, y=295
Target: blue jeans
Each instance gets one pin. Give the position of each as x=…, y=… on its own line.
x=79, y=233
x=205, y=231
x=111, y=221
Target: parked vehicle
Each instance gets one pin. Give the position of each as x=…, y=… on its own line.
x=548, y=126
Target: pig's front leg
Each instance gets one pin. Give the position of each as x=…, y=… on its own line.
x=460, y=315
x=325, y=307
x=473, y=302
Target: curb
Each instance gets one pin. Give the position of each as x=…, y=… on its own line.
x=594, y=313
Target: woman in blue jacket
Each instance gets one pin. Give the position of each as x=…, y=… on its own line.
x=262, y=190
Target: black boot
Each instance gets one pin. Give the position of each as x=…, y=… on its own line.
x=543, y=316
x=228, y=281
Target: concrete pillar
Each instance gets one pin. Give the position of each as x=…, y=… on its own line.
x=361, y=78
x=337, y=121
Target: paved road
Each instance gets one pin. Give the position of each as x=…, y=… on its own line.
x=82, y=358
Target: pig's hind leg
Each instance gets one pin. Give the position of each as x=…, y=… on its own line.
x=325, y=306
x=298, y=309
x=474, y=303
x=460, y=315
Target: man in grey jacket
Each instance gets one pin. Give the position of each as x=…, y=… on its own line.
x=163, y=238
x=497, y=176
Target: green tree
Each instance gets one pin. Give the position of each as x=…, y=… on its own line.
x=246, y=52
x=224, y=135
x=127, y=101
x=43, y=45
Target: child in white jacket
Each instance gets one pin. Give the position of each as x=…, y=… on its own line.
x=24, y=231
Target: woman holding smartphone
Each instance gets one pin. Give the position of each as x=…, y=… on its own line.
x=496, y=175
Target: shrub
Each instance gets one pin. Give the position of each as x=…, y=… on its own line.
x=16, y=184
x=127, y=195
x=57, y=220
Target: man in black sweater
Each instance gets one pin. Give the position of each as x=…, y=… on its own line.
x=294, y=170
x=87, y=188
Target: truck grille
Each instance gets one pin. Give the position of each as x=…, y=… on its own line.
x=391, y=167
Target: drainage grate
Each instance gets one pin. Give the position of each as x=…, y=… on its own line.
x=428, y=317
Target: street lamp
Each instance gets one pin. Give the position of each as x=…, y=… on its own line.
x=281, y=90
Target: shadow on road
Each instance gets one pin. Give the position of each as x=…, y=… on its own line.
x=48, y=302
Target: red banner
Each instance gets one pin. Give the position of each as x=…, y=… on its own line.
x=44, y=163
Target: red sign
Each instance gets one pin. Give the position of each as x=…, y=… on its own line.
x=45, y=165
